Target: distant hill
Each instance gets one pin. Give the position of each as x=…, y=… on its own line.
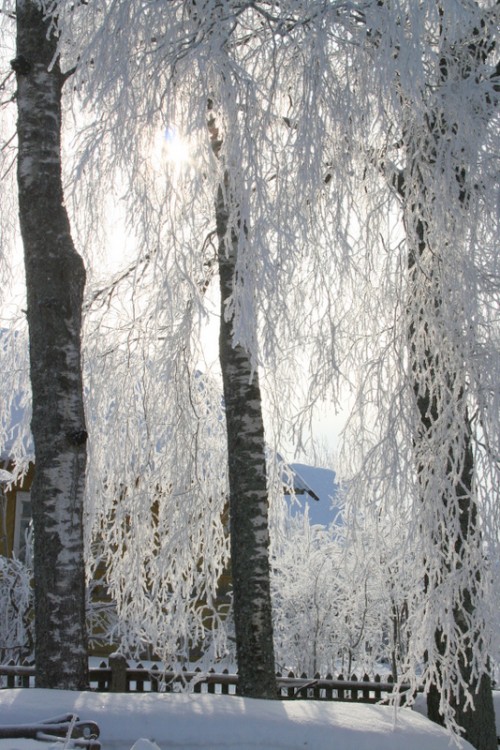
x=322, y=483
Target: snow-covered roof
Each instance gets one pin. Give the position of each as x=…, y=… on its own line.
x=318, y=484
x=292, y=479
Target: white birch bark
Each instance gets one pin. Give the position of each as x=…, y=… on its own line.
x=246, y=450
x=55, y=278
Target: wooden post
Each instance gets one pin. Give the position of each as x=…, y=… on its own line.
x=302, y=692
x=197, y=687
x=139, y=684
x=340, y=690
x=291, y=691
x=155, y=678
x=354, y=691
x=366, y=691
x=329, y=690
x=118, y=665
x=11, y=678
x=211, y=685
x=316, y=693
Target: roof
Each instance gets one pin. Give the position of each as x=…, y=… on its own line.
x=313, y=483
x=299, y=484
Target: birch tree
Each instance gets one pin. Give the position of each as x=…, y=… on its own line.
x=248, y=488
x=238, y=356
x=444, y=453
x=370, y=74
x=193, y=60
x=436, y=136
x=55, y=280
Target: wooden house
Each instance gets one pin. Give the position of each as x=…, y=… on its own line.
x=15, y=520
x=15, y=510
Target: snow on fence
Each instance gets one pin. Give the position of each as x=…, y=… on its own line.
x=117, y=676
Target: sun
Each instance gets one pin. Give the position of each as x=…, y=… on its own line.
x=170, y=151
x=175, y=149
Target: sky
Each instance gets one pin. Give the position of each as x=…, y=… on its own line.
x=218, y=722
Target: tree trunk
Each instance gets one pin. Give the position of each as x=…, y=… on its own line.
x=248, y=493
x=55, y=279
x=443, y=420
x=444, y=457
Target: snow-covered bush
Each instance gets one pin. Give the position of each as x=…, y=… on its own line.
x=340, y=602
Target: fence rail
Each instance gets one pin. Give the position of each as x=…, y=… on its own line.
x=117, y=676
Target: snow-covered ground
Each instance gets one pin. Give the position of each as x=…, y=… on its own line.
x=216, y=722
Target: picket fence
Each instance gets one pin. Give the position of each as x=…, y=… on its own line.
x=116, y=675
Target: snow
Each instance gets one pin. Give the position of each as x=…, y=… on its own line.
x=217, y=722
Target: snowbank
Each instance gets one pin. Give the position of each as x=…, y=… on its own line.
x=216, y=722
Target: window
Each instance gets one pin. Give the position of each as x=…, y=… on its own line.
x=23, y=521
